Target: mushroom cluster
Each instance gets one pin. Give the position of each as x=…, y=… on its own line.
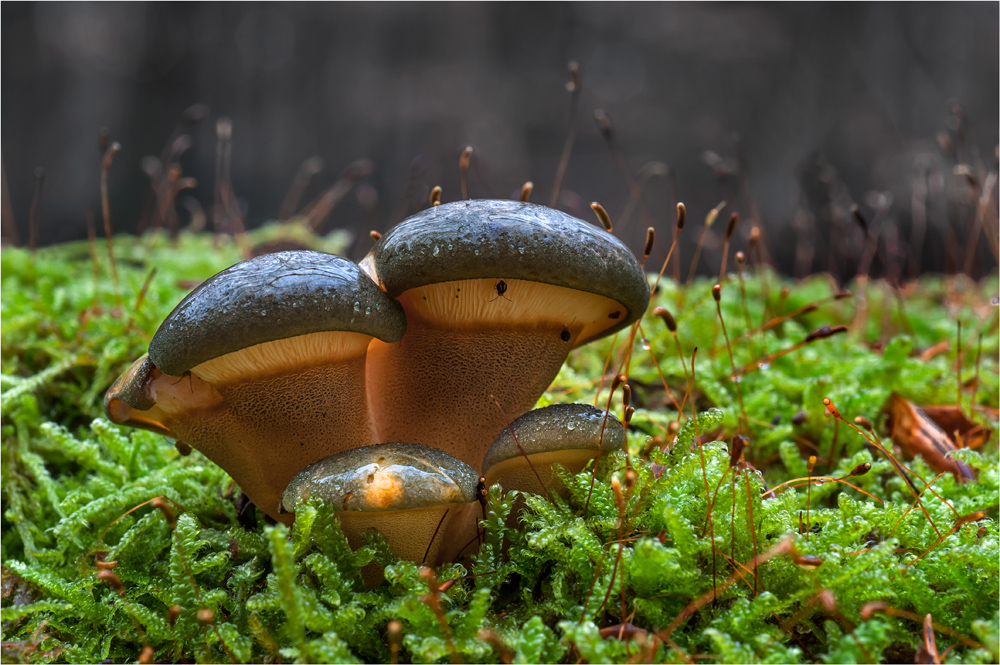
x=375, y=386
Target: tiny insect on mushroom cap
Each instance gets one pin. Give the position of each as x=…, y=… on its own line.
x=496, y=294
x=413, y=495
x=262, y=368
x=568, y=434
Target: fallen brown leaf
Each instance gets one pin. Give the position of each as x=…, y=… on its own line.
x=952, y=419
x=917, y=434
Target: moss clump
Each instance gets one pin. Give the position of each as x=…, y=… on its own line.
x=644, y=542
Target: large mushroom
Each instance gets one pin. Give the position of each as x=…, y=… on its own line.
x=420, y=499
x=262, y=368
x=568, y=434
x=496, y=294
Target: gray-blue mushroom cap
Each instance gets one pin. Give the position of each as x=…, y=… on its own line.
x=271, y=297
x=510, y=240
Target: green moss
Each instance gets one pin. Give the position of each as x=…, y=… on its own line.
x=77, y=489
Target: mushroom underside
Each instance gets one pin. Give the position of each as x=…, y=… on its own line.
x=474, y=303
x=283, y=356
x=265, y=430
x=524, y=473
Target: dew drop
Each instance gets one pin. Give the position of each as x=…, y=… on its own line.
x=570, y=426
x=645, y=344
x=736, y=379
x=368, y=311
x=435, y=251
x=521, y=250
x=357, y=306
x=764, y=366
x=263, y=312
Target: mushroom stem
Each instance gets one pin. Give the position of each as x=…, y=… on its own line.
x=436, y=533
x=434, y=372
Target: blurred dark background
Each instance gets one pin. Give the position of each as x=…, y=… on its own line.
x=791, y=113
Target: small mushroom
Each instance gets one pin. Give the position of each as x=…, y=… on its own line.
x=262, y=368
x=568, y=434
x=496, y=294
x=420, y=499
x=127, y=402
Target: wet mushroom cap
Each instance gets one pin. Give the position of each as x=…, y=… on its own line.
x=570, y=435
x=128, y=388
x=385, y=477
x=555, y=429
x=420, y=499
x=271, y=298
x=511, y=242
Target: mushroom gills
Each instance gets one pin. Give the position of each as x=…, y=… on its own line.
x=521, y=303
x=568, y=434
x=423, y=501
